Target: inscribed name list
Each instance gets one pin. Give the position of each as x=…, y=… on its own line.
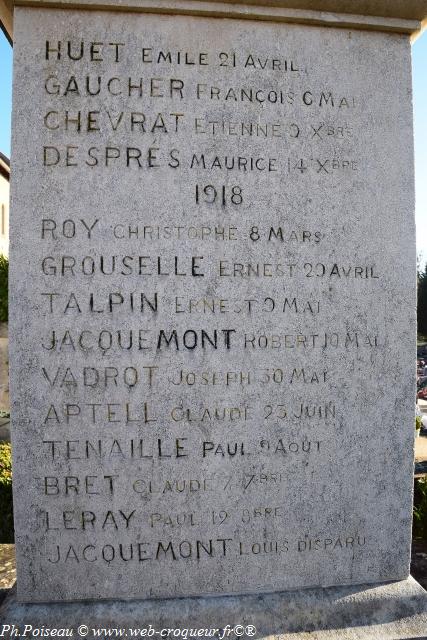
x=211, y=305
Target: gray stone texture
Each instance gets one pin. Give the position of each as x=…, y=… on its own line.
x=398, y=16
x=367, y=612
x=268, y=443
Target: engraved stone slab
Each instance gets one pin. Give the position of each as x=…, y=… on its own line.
x=212, y=306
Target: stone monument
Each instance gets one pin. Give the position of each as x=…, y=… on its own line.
x=213, y=302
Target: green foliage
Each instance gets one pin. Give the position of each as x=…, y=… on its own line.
x=422, y=302
x=418, y=423
x=6, y=508
x=420, y=509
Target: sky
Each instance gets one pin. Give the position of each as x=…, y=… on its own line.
x=419, y=78
x=419, y=69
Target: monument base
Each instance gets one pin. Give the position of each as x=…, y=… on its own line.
x=394, y=610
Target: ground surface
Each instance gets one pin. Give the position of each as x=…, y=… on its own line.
x=419, y=562
x=7, y=568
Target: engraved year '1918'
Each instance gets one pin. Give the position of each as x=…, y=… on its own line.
x=210, y=194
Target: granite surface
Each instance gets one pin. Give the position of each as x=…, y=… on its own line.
x=396, y=16
x=212, y=306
